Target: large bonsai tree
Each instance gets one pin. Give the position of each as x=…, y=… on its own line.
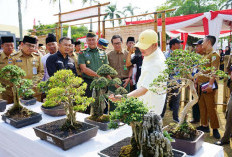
x=181, y=65
x=99, y=86
x=148, y=138
x=69, y=90
x=14, y=75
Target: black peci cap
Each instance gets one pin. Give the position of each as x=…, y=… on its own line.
x=50, y=38
x=130, y=39
x=29, y=39
x=7, y=39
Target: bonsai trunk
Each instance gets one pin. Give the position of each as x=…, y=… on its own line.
x=98, y=106
x=136, y=136
x=191, y=103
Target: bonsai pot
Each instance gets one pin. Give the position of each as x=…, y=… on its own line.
x=102, y=126
x=52, y=133
x=28, y=102
x=3, y=104
x=114, y=150
x=21, y=122
x=187, y=146
x=54, y=111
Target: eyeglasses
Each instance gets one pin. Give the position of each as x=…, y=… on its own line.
x=31, y=45
x=119, y=43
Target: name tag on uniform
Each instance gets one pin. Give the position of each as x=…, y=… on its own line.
x=19, y=61
x=34, y=70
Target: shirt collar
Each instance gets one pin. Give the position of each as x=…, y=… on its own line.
x=4, y=55
x=60, y=55
x=92, y=50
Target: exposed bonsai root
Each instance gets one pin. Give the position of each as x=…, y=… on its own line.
x=68, y=126
x=184, y=131
x=103, y=118
x=18, y=110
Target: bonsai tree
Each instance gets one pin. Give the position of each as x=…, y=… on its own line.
x=99, y=86
x=181, y=64
x=69, y=90
x=25, y=90
x=14, y=75
x=147, y=138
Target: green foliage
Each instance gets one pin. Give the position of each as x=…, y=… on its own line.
x=99, y=83
x=168, y=136
x=112, y=13
x=76, y=32
x=43, y=86
x=12, y=73
x=128, y=110
x=25, y=89
x=105, y=70
x=2, y=89
x=185, y=7
x=121, y=91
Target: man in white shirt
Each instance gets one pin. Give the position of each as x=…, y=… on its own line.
x=152, y=67
x=51, y=46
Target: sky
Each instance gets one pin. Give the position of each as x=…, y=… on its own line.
x=43, y=10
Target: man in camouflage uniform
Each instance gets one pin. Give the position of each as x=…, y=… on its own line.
x=208, y=112
x=30, y=61
x=90, y=60
x=6, y=59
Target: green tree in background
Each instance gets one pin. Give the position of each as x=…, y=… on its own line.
x=75, y=31
x=112, y=13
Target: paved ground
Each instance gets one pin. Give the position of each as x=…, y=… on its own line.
x=208, y=136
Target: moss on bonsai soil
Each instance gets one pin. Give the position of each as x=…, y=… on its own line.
x=102, y=119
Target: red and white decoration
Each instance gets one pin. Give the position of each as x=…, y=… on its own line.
x=217, y=23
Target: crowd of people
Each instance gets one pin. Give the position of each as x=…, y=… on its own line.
x=137, y=66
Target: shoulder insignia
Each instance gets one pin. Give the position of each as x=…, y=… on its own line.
x=14, y=53
x=213, y=58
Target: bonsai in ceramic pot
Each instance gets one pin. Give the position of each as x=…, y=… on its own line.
x=147, y=138
x=181, y=64
x=26, y=93
x=68, y=132
x=100, y=86
x=17, y=116
x=3, y=103
x=50, y=107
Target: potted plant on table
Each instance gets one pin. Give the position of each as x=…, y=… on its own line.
x=181, y=64
x=147, y=138
x=50, y=106
x=26, y=92
x=100, y=86
x=17, y=116
x=67, y=132
x=3, y=103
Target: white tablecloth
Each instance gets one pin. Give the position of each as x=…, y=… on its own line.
x=24, y=143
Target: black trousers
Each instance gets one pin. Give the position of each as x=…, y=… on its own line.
x=88, y=92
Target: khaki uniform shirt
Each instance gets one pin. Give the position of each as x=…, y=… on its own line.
x=74, y=56
x=118, y=62
x=214, y=61
x=93, y=58
x=31, y=64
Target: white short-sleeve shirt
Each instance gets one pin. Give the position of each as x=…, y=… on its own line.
x=152, y=67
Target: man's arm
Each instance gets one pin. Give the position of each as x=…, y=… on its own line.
x=88, y=71
x=51, y=67
x=138, y=92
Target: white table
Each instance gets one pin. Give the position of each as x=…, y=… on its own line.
x=24, y=143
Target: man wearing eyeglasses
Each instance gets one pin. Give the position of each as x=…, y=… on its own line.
x=6, y=59
x=117, y=60
x=30, y=61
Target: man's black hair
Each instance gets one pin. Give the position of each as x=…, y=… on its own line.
x=115, y=37
x=64, y=38
x=211, y=38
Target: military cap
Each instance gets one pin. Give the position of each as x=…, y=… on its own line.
x=50, y=38
x=174, y=41
x=91, y=34
x=40, y=45
x=103, y=42
x=130, y=39
x=30, y=39
x=199, y=42
x=7, y=39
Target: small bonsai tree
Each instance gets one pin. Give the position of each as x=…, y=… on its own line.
x=25, y=90
x=14, y=75
x=69, y=90
x=99, y=86
x=147, y=138
x=181, y=64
